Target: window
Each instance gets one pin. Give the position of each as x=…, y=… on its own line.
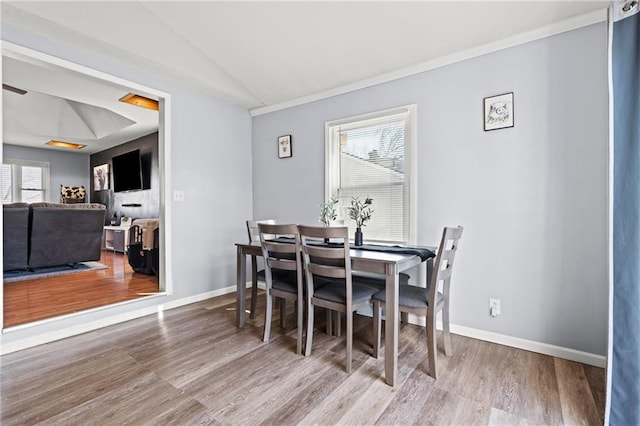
x=372, y=156
x=26, y=181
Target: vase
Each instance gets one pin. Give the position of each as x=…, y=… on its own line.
x=326, y=240
x=358, y=237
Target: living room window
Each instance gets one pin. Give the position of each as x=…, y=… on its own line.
x=373, y=156
x=24, y=181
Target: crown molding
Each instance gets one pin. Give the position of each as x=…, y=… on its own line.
x=526, y=37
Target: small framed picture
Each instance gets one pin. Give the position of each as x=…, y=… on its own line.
x=498, y=112
x=284, y=146
x=101, y=177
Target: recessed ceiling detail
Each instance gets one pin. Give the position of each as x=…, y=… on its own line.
x=140, y=101
x=65, y=105
x=44, y=114
x=69, y=145
x=101, y=121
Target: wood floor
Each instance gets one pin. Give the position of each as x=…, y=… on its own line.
x=191, y=365
x=37, y=299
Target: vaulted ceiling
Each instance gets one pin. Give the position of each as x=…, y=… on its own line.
x=262, y=55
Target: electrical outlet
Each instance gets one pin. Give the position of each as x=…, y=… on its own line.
x=494, y=307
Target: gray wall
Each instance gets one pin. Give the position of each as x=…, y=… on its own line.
x=209, y=161
x=65, y=168
x=532, y=199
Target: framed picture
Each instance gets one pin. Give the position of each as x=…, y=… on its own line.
x=498, y=112
x=284, y=146
x=101, y=177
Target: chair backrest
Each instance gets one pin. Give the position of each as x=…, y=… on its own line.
x=252, y=228
x=443, y=264
x=280, y=254
x=326, y=260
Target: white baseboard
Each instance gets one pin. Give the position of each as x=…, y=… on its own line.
x=533, y=346
x=516, y=342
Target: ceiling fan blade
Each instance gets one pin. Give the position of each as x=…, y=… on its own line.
x=13, y=89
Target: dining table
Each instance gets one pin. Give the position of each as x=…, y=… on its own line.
x=388, y=261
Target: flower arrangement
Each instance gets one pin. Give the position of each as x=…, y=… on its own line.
x=360, y=211
x=328, y=211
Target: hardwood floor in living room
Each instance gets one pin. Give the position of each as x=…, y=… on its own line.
x=37, y=299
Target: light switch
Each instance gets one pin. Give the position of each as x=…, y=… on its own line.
x=178, y=196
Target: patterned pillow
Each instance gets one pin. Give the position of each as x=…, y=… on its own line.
x=72, y=194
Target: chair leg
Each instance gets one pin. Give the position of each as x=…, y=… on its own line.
x=254, y=286
x=338, y=327
x=299, y=310
x=404, y=317
x=349, y=340
x=445, y=330
x=431, y=344
x=329, y=322
x=307, y=346
x=267, y=318
x=283, y=313
x=377, y=323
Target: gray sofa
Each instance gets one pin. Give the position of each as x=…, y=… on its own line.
x=58, y=234
x=15, y=250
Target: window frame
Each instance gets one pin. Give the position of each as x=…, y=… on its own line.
x=332, y=161
x=16, y=177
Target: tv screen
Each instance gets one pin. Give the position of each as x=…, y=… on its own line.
x=127, y=171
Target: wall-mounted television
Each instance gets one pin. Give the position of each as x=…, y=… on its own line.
x=127, y=171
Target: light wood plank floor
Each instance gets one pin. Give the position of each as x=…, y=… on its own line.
x=190, y=365
x=32, y=300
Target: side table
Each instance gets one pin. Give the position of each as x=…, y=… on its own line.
x=116, y=238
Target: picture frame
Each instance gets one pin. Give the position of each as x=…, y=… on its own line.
x=284, y=146
x=498, y=112
x=101, y=177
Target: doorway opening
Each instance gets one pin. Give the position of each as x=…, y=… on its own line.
x=88, y=93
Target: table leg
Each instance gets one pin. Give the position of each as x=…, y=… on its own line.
x=254, y=287
x=241, y=287
x=391, y=326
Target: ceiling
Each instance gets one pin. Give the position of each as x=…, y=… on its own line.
x=262, y=55
x=66, y=106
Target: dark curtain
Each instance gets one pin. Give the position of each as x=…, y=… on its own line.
x=624, y=374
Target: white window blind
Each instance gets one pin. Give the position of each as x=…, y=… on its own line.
x=7, y=187
x=32, y=187
x=25, y=181
x=368, y=157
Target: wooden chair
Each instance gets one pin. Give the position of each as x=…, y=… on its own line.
x=426, y=301
x=283, y=273
x=331, y=265
x=256, y=275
